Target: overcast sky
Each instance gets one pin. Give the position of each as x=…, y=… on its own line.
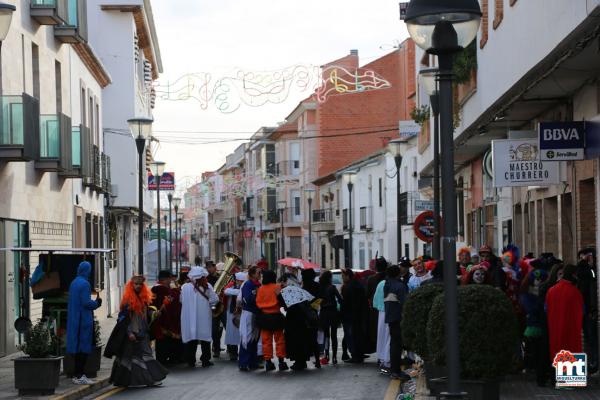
x=221, y=37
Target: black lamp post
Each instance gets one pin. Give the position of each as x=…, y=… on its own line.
x=142, y=128
x=170, y=256
x=179, y=247
x=261, y=214
x=444, y=27
x=176, y=203
x=428, y=80
x=157, y=168
x=350, y=178
x=281, y=207
x=310, y=195
x=397, y=148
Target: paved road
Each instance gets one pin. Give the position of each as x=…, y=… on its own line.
x=224, y=381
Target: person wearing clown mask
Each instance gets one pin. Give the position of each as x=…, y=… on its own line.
x=478, y=275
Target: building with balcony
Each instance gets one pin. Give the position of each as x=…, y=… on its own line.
x=52, y=156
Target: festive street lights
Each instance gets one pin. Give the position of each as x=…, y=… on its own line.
x=281, y=204
x=170, y=257
x=429, y=82
x=310, y=195
x=397, y=148
x=350, y=178
x=142, y=127
x=444, y=27
x=157, y=168
x=261, y=213
x=176, y=203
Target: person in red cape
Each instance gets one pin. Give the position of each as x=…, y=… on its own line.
x=564, y=308
x=167, y=327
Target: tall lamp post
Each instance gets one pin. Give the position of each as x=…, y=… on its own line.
x=310, y=195
x=443, y=28
x=281, y=204
x=141, y=128
x=429, y=82
x=157, y=168
x=179, y=247
x=176, y=203
x=261, y=213
x=6, y=13
x=350, y=178
x=170, y=256
x=397, y=148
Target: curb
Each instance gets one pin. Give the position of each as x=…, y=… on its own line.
x=82, y=391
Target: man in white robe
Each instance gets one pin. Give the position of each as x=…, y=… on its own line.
x=197, y=301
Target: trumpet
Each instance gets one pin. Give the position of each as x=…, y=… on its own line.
x=231, y=260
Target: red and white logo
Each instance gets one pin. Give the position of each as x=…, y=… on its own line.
x=571, y=369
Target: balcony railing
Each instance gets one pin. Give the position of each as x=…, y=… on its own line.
x=49, y=12
x=19, y=127
x=366, y=218
x=74, y=28
x=79, y=154
x=105, y=173
x=324, y=215
x=54, y=153
x=288, y=168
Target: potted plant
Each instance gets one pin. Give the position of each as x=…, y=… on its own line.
x=415, y=314
x=37, y=373
x=420, y=114
x=488, y=338
x=92, y=363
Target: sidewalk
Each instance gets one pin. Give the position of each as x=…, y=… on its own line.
x=523, y=387
x=66, y=389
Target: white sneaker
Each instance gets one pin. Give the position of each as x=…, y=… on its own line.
x=76, y=381
x=86, y=381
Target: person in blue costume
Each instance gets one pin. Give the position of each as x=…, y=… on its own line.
x=80, y=321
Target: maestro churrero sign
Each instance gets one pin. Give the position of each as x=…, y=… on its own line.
x=517, y=163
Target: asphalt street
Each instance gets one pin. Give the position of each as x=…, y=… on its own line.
x=225, y=381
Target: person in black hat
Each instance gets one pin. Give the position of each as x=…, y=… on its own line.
x=405, y=266
x=162, y=295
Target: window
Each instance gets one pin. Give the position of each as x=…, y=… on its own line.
x=92, y=125
x=361, y=255
x=83, y=111
x=35, y=69
x=380, y=190
x=97, y=122
x=58, y=85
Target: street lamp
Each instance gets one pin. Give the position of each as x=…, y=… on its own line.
x=397, y=148
x=179, y=247
x=350, y=178
x=176, y=203
x=281, y=204
x=310, y=195
x=170, y=257
x=428, y=79
x=157, y=168
x=142, y=127
x=6, y=13
x=261, y=213
x=444, y=27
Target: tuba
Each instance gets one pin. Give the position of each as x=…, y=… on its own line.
x=231, y=260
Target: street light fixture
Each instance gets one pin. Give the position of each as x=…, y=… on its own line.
x=397, y=148
x=176, y=203
x=261, y=213
x=281, y=205
x=349, y=178
x=6, y=13
x=444, y=27
x=310, y=195
x=179, y=247
x=158, y=168
x=170, y=256
x=428, y=79
x=141, y=128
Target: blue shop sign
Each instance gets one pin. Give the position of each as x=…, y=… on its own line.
x=592, y=140
x=562, y=141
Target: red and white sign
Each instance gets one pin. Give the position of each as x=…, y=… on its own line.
x=424, y=226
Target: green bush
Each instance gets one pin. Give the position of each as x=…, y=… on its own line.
x=488, y=331
x=39, y=341
x=464, y=63
x=415, y=314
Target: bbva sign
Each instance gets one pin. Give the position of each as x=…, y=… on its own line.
x=561, y=141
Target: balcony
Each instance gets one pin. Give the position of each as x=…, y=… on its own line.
x=92, y=178
x=49, y=12
x=19, y=127
x=366, y=218
x=74, y=28
x=288, y=168
x=80, y=153
x=323, y=220
x=106, y=181
x=54, y=153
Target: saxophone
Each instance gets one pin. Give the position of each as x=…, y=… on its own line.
x=231, y=260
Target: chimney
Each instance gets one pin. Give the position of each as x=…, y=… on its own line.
x=354, y=52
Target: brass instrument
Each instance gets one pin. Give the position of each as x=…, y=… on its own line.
x=231, y=260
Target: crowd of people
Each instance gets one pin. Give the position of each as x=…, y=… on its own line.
x=297, y=316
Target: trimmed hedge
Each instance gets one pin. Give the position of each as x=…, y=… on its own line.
x=488, y=331
x=415, y=315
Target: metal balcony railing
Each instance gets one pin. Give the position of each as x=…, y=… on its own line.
x=324, y=215
x=74, y=28
x=19, y=127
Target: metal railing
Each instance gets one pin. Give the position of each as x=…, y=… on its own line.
x=323, y=215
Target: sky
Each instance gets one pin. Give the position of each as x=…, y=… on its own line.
x=224, y=37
